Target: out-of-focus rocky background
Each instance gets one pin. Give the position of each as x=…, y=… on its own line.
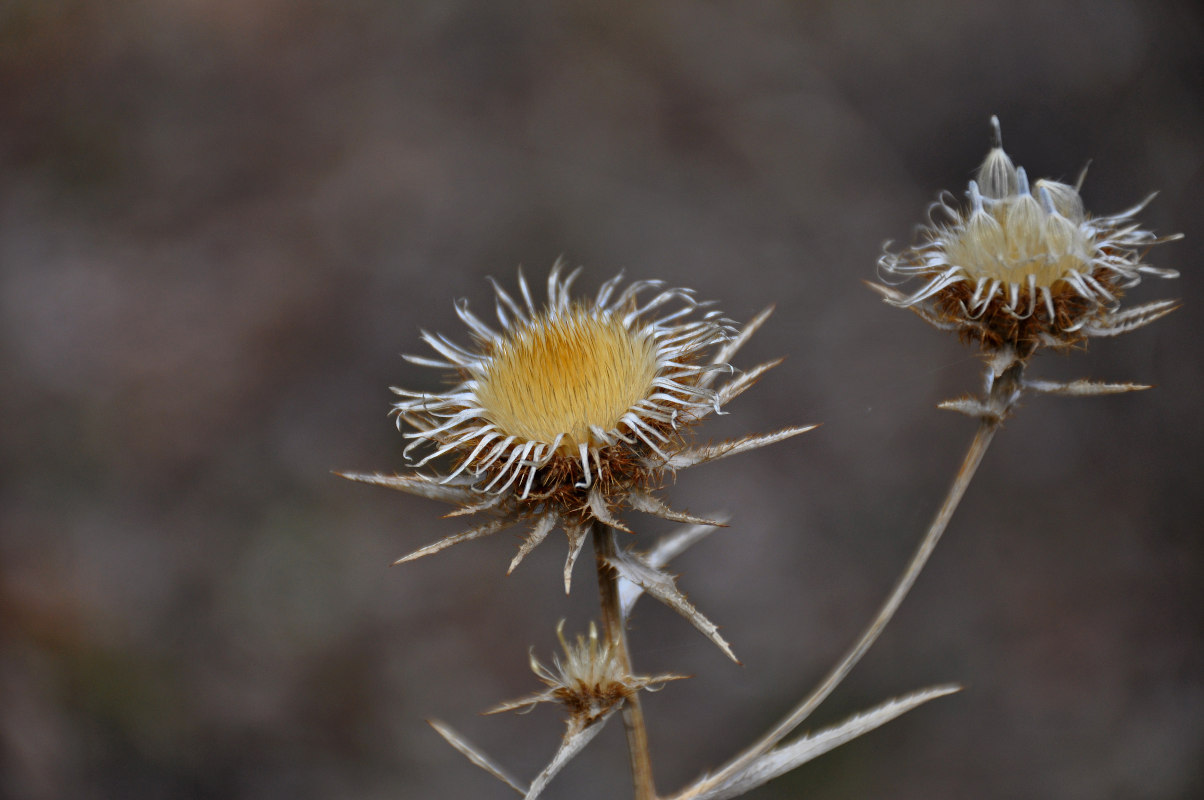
x=221, y=222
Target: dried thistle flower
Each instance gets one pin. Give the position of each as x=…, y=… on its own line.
x=1024, y=266
x=572, y=411
x=589, y=682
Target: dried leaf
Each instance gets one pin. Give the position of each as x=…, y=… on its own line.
x=1130, y=319
x=649, y=503
x=538, y=533
x=701, y=455
x=660, y=555
x=490, y=502
x=421, y=485
x=576, y=737
x=725, y=354
x=970, y=406
x=783, y=759
x=597, y=505
x=898, y=299
x=576, y=534
x=476, y=756
x=661, y=585
x=1083, y=388
x=479, y=532
x=738, y=386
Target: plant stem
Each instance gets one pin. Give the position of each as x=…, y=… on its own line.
x=973, y=457
x=616, y=633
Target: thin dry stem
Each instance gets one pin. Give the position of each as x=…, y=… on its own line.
x=978, y=448
x=616, y=632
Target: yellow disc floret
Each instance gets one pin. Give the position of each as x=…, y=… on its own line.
x=562, y=374
x=1015, y=237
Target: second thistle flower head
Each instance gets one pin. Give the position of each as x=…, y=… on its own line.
x=588, y=682
x=1023, y=265
x=572, y=411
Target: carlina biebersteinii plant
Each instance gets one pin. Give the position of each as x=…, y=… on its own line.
x=1022, y=266
x=1018, y=267
x=573, y=412
x=568, y=415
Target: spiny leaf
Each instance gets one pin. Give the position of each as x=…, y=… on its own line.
x=651, y=504
x=714, y=452
x=786, y=757
x=661, y=585
x=576, y=737
x=660, y=555
x=476, y=756
x=421, y=485
x=479, y=532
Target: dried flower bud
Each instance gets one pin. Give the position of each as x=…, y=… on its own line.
x=1023, y=266
x=589, y=681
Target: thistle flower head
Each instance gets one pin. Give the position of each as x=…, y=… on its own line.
x=589, y=681
x=564, y=386
x=1023, y=265
x=568, y=412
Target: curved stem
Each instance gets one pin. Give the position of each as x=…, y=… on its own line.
x=616, y=633
x=978, y=448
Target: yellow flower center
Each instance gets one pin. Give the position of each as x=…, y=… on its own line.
x=564, y=373
x=1017, y=238
x=1014, y=235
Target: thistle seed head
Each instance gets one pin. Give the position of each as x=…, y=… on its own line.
x=1021, y=265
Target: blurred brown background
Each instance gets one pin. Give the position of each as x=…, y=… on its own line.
x=221, y=222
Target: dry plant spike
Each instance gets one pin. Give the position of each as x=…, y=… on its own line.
x=476, y=756
x=896, y=298
x=479, y=532
x=417, y=484
x=651, y=504
x=674, y=544
x=1131, y=318
x=702, y=455
x=728, y=351
x=577, y=735
x=792, y=755
x=601, y=511
x=741, y=384
x=543, y=526
x=836, y=675
x=660, y=555
x=487, y=504
x=590, y=681
x=661, y=585
x=970, y=406
x=1083, y=388
x=576, y=535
